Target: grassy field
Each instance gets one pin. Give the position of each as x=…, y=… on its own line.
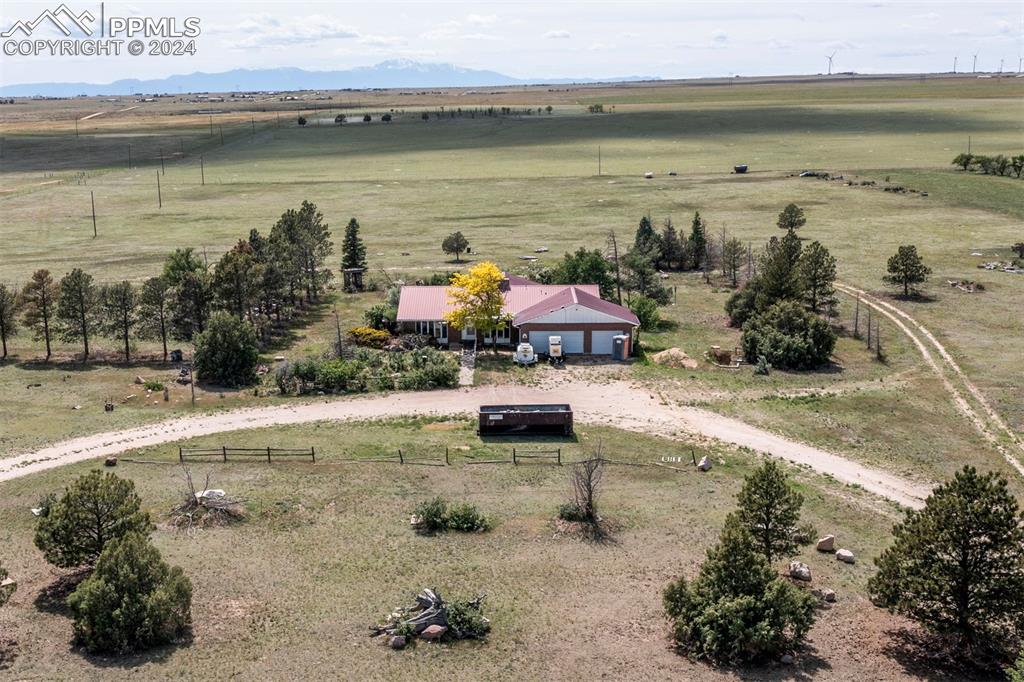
x=515, y=184
x=327, y=550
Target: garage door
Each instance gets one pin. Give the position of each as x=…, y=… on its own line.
x=572, y=342
x=601, y=342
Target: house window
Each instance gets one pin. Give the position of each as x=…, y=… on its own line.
x=469, y=332
x=439, y=330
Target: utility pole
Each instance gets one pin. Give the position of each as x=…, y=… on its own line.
x=202, y=172
x=76, y=127
x=129, y=156
x=599, y=159
x=211, y=125
x=253, y=119
x=221, y=135
x=92, y=197
x=159, y=197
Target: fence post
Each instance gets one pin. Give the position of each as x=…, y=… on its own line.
x=312, y=453
x=559, y=456
x=268, y=454
x=181, y=455
x=446, y=461
x=693, y=456
x=401, y=460
x=514, y=457
x=224, y=451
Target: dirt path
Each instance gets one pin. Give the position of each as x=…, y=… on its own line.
x=987, y=421
x=611, y=403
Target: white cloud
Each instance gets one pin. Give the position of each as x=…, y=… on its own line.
x=264, y=31
x=481, y=19
x=557, y=35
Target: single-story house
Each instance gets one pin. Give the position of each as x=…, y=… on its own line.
x=576, y=312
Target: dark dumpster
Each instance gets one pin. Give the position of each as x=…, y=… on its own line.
x=525, y=420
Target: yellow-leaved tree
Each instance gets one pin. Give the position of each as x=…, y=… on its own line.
x=477, y=298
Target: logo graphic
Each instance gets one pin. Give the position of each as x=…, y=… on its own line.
x=83, y=21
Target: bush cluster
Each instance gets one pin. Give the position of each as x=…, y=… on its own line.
x=370, y=370
x=788, y=337
x=369, y=337
x=435, y=516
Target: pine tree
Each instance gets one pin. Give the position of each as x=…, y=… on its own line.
x=154, y=309
x=38, y=300
x=777, y=271
x=353, y=251
x=698, y=242
x=646, y=240
x=906, y=268
x=673, y=252
x=133, y=600
x=791, y=218
x=76, y=308
x=95, y=509
x=120, y=313
x=817, y=270
x=769, y=507
x=734, y=254
x=9, y=305
x=957, y=565
x=738, y=609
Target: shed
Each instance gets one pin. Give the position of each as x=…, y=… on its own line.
x=541, y=419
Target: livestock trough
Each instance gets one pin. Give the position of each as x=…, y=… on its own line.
x=496, y=420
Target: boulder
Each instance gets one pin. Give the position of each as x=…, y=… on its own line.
x=800, y=571
x=824, y=594
x=827, y=544
x=846, y=556
x=787, y=659
x=705, y=464
x=139, y=380
x=432, y=633
x=110, y=461
x=397, y=642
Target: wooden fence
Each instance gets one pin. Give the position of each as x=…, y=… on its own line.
x=224, y=452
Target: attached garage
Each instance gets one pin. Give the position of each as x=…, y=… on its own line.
x=601, y=341
x=572, y=341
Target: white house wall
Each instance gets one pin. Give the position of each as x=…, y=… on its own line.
x=575, y=314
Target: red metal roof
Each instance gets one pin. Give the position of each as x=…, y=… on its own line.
x=431, y=302
x=575, y=295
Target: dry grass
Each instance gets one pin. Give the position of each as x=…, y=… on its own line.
x=327, y=550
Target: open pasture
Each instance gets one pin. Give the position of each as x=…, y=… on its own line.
x=327, y=550
x=515, y=184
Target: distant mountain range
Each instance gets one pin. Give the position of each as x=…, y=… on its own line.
x=395, y=73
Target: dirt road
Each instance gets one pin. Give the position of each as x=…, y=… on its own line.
x=986, y=420
x=612, y=403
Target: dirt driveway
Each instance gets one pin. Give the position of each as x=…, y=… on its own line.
x=611, y=403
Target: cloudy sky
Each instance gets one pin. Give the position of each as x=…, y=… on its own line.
x=551, y=39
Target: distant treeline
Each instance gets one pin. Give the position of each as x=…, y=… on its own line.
x=991, y=165
x=268, y=280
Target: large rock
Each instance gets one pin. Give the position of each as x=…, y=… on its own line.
x=846, y=556
x=705, y=464
x=800, y=571
x=827, y=544
x=433, y=632
x=139, y=380
x=824, y=594
x=397, y=642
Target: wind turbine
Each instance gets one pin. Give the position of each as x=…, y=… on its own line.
x=954, y=63
x=829, y=58
x=974, y=67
